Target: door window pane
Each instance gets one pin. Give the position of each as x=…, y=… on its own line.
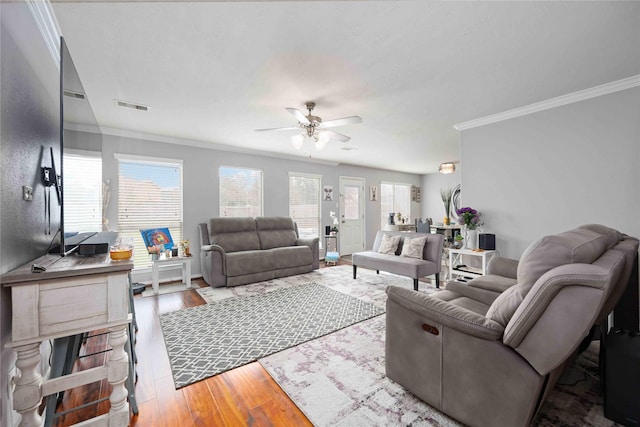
x=351, y=202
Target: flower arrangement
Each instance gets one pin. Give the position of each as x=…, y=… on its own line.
x=446, y=195
x=184, y=245
x=469, y=217
x=156, y=249
x=334, y=221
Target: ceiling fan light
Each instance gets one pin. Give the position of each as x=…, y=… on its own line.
x=322, y=140
x=449, y=167
x=297, y=141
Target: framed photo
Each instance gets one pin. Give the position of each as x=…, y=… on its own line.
x=157, y=238
x=373, y=193
x=328, y=193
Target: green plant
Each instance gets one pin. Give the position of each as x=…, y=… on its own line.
x=459, y=238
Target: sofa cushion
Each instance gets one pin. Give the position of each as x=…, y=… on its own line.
x=291, y=256
x=276, y=232
x=234, y=234
x=389, y=244
x=492, y=282
x=249, y=262
x=413, y=247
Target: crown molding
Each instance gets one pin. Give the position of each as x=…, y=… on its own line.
x=47, y=23
x=559, y=101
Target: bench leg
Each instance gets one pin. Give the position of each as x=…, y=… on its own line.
x=377, y=271
x=415, y=284
x=355, y=267
x=438, y=280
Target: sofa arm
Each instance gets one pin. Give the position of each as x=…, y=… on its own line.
x=214, y=265
x=445, y=313
x=314, y=244
x=505, y=267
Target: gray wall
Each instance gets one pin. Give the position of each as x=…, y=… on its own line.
x=200, y=181
x=29, y=121
x=557, y=169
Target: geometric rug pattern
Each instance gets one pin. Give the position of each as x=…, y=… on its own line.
x=209, y=339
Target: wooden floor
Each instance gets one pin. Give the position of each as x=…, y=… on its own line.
x=246, y=396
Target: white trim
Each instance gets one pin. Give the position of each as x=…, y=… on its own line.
x=47, y=23
x=147, y=159
x=83, y=153
x=558, y=101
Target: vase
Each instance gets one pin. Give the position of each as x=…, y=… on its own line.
x=446, y=220
x=470, y=238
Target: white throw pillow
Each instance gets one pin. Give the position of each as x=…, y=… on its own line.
x=413, y=247
x=389, y=244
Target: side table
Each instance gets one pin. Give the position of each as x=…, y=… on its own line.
x=331, y=257
x=171, y=262
x=455, y=259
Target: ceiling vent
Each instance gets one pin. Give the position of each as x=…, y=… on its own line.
x=347, y=148
x=131, y=105
x=76, y=95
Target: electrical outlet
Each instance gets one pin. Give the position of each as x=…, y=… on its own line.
x=27, y=192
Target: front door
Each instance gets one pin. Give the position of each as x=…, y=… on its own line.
x=351, y=215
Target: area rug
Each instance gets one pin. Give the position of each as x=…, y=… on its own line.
x=339, y=380
x=209, y=339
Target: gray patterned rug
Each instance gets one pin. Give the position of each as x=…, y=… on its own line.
x=206, y=340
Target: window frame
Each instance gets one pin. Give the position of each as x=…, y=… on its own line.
x=319, y=195
x=220, y=204
x=384, y=216
x=96, y=156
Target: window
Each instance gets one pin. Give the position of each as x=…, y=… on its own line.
x=149, y=196
x=304, y=203
x=82, y=191
x=240, y=192
x=395, y=198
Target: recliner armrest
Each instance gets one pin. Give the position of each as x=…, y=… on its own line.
x=446, y=314
x=505, y=267
x=314, y=244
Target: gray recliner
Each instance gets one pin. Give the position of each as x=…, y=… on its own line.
x=488, y=352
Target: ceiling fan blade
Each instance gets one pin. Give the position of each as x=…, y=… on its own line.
x=287, y=128
x=298, y=115
x=341, y=122
x=337, y=136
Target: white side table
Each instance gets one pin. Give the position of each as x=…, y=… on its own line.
x=172, y=262
x=455, y=258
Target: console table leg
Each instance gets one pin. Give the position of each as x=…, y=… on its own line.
x=28, y=393
x=118, y=369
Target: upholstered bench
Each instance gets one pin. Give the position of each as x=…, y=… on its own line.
x=390, y=254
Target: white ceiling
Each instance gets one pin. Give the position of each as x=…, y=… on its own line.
x=213, y=72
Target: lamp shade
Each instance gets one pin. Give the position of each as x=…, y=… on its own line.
x=321, y=142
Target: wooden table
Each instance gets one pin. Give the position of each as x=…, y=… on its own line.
x=74, y=295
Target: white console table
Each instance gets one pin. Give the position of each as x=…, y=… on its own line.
x=168, y=262
x=455, y=258
x=74, y=295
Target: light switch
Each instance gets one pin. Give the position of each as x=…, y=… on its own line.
x=27, y=192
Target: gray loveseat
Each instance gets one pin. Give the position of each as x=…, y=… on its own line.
x=237, y=251
x=429, y=263
x=488, y=352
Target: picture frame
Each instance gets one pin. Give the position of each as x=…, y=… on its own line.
x=373, y=193
x=157, y=239
x=328, y=193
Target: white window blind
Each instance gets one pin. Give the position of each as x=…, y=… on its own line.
x=240, y=192
x=82, y=191
x=394, y=198
x=149, y=196
x=304, y=203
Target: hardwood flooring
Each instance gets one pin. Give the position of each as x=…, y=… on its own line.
x=245, y=396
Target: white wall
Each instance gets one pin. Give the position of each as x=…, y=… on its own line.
x=557, y=169
x=200, y=181
x=432, y=206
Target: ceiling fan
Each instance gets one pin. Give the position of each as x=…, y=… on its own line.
x=314, y=128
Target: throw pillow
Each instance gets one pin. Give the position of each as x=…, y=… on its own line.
x=389, y=244
x=413, y=247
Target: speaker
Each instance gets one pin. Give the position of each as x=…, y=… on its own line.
x=621, y=377
x=487, y=241
x=327, y=230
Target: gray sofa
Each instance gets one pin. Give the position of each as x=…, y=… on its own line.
x=488, y=352
x=430, y=262
x=237, y=251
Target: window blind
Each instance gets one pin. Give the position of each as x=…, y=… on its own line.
x=240, y=192
x=82, y=192
x=394, y=198
x=304, y=203
x=149, y=196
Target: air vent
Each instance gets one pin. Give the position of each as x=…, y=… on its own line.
x=347, y=148
x=131, y=105
x=72, y=94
